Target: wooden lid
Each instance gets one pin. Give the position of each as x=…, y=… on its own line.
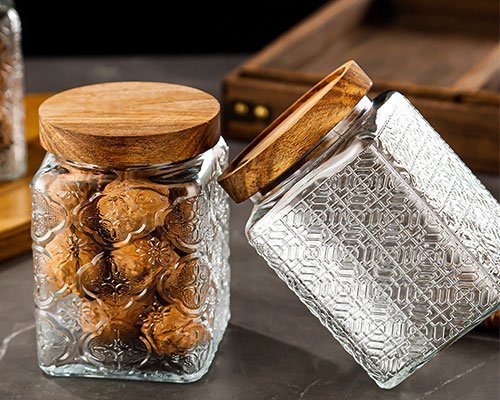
x=295, y=132
x=126, y=124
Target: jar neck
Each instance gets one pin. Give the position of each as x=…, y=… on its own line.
x=322, y=150
x=177, y=165
x=93, y=167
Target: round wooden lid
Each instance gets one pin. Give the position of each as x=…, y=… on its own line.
x=128, y=124
x=295, y=132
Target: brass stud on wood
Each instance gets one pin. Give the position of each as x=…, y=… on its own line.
x=241, y=108
x=261, y=112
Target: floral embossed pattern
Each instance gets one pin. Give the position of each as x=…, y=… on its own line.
x=131, y=272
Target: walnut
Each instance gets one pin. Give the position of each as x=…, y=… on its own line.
x=122, y=185
x=93, y=316
x=172, y=333
x=126, y=210
x=67, y=253
x=70, y=190
x=117, y=346
x=120, y=277
x=185, y=223
x=187, y=285
x=150, y=253
x=96, y=317
x=73, y=187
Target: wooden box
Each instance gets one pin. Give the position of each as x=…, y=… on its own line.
x=442, y=54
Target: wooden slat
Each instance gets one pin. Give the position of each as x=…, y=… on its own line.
x=465, y=16
x=405, y=55
x=482, y=73
x=372, y=33
x=283, y=76
x=313, y=35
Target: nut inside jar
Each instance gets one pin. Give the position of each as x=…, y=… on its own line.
x=129, y=257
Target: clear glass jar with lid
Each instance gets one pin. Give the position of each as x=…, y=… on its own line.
x=12, y=136
x=373, y=221
x=130, y=233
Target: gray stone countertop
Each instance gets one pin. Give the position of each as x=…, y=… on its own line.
x=273, y=348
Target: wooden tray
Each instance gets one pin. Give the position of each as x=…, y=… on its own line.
x=15, y=203
x=442, y=54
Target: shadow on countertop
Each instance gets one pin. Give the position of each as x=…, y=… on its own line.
x=253, y=366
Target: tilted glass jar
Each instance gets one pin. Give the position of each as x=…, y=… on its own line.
x=378, y=227
x=12, y=136
x=130, y=255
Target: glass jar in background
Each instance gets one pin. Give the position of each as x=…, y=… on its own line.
x=130, y=233
x=373, y=221
x=12, y=136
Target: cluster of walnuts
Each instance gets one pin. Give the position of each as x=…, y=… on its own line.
x=129, y=252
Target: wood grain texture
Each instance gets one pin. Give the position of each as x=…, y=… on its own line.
x=400, y=54
x=471, y=127
x=15, y=203
x=482, y=73
x=295, y=132
x=393, y=40
x=438, y=53
x=126, y=124
x=313, y=35
x=274, y=77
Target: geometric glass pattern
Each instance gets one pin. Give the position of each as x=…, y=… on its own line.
x=395, y=248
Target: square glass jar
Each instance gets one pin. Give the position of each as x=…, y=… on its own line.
x=383, y=233
x=131, y=264
x=12, y=135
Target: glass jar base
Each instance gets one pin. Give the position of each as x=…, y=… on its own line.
x=412, y=368
x=86, y=371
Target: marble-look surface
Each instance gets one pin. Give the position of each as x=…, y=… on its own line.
x=273, y=348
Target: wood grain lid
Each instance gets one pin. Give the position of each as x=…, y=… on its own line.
x=295, y=132
x=128, y=124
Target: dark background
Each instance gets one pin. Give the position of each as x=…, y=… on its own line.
x=106, y=27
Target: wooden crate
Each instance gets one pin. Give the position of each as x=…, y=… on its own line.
x=442, y=54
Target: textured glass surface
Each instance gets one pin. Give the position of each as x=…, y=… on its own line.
x=131, y=268
x=393, y=244
x=12, y=138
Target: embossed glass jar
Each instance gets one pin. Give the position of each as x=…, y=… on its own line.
x=374, y=222
x=130, y=233
x=12, y=137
